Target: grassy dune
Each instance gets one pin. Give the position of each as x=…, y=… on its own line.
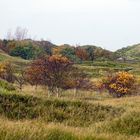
x=31, y=115
x=16, y=61
x=32, y=118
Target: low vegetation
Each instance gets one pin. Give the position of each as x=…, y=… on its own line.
x=120, y=84
x=27, y=107
x=50, y=92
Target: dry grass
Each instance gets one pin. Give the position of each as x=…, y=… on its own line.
x=37, y=130
x=40, y=130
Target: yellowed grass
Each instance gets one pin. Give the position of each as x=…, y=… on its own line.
x=38, y=128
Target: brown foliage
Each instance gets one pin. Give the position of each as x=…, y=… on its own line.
x=7, y=71
x=77, y=79
x=34, y=74
x=49, y=71
x=81, y=53
x=57, y=73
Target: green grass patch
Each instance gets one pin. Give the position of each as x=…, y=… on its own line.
x=56, y=134
x=6, y=85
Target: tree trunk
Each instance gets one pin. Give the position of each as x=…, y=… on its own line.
x=57, y=92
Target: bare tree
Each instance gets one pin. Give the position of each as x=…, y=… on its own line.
x=20, y=33
x=20, y=79
x=9, y=35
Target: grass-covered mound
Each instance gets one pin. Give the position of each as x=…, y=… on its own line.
x=130, y=52
x=76, y=113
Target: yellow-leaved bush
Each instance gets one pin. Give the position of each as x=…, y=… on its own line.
x=6, y=71
x=120, y=84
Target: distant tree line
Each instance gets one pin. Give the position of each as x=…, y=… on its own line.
x=30, y=49
x=18, y=44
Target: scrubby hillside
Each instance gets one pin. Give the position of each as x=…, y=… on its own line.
x=130, y=52
x=17, y=62
x=31, y=49
x=85, y=115
x=48, y=97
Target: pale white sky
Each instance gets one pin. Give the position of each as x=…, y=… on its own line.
x=111, y=24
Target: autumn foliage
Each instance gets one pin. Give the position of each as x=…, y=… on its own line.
x=120, y=84
x=49, y=71
x=7, y=71
x=81, y=53
x=57, y=73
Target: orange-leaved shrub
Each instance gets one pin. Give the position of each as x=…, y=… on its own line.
x=120, y=84
x=7, y=71
x=57, y=73
x=49, y=71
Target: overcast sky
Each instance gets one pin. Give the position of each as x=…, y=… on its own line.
x=111, y=24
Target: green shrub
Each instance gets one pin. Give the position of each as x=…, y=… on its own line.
x=27, y=51
x=7, y=86
x=70, y=54
x=18, y=107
